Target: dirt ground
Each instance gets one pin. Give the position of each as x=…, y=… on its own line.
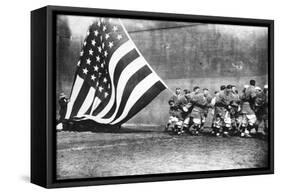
x=151, y=151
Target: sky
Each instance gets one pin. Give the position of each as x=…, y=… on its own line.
x=79, y=26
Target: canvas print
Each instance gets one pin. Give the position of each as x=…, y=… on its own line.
x=142, y=97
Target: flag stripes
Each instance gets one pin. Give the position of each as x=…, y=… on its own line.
x=143, y=101
x=137, y=93
x=87, y=102
x=74, y=93
x=123, y=80
x=131, y=84
x=80, y=98
x=123, y=63
x=116, y=56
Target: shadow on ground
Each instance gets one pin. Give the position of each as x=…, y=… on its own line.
x=90, y=126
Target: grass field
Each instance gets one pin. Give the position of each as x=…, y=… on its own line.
x=148, y=151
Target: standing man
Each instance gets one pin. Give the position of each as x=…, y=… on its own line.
x=235, y=109
x=208, y=110
x=175, y=120
x=247, y=103
x=186, y=109
x=222, y=111
x=199, y=102
x=178, y=100
x=62, y=112
x=259, y=107
x=177, y=97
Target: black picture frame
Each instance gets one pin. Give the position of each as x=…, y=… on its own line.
x=43, y=71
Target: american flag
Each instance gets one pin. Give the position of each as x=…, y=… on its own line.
x=113, y=81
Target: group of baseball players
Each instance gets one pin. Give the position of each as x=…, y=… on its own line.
x=226, y=113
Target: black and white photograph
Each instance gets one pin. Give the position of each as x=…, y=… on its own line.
x=146, y=97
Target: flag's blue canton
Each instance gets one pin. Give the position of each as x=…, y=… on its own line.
x=103, y=38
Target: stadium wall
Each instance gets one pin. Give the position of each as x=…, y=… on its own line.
x=156, y=113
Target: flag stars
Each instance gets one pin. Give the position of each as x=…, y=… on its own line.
x=88, y=32
x=115, y=28
x=96, y=33
x=105, y=53
x=98, y=24
x=78, y=64
x=81, y=53
x=104, y=28
x=108, y=86
x=84, y=43
x=93, y=42
x=93, y=77
x=110, y=44
x=91, y=52
x=85, y=71
x=101, y=88
x=102, y=45
x=96, y=68
x=106, y=36
x=98, y=58
x=99, y=48
x=88, y=61
x=104, y=80
x=105, y=94
x=119, y=36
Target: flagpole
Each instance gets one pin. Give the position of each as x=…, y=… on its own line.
x=142, y=55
